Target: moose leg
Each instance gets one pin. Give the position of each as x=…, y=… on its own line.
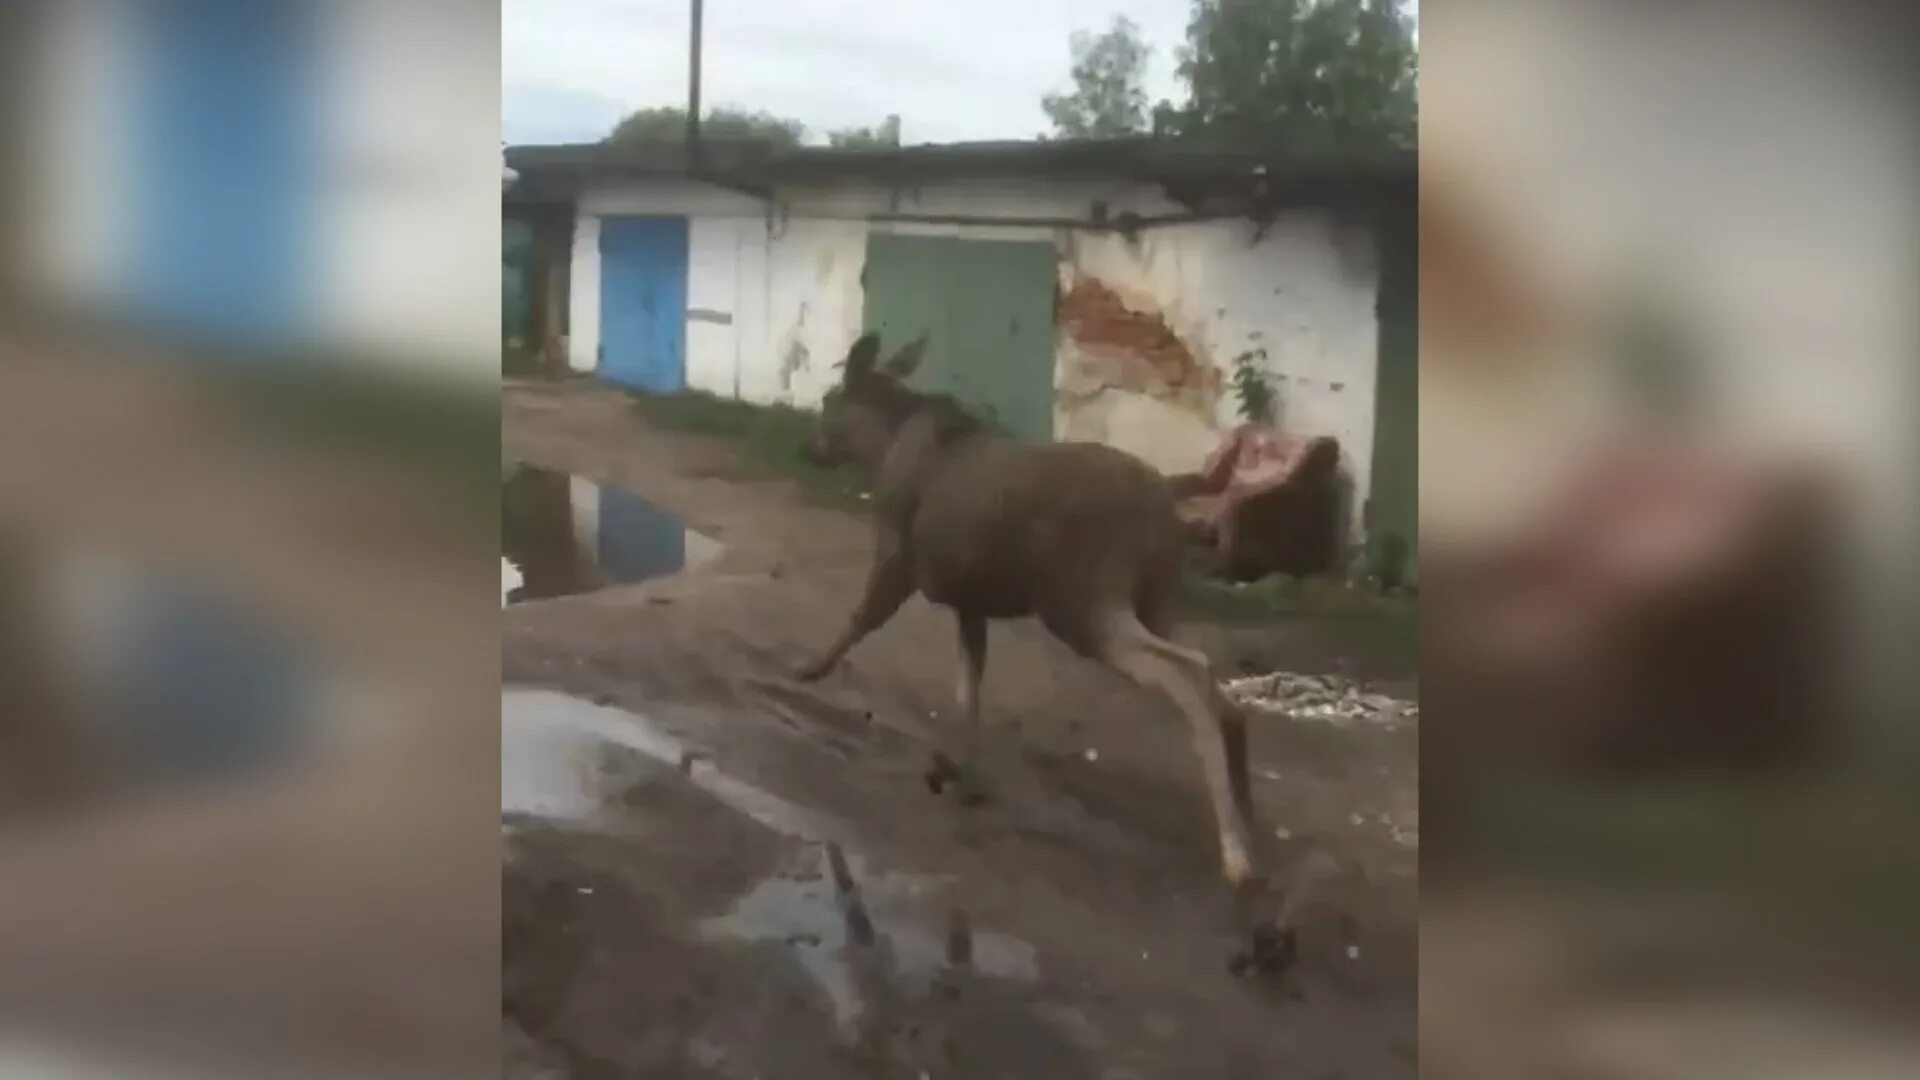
x=973, y=665
x=1185, y=676
x=1233, y=734
x=1153, y=608
x=889, y=584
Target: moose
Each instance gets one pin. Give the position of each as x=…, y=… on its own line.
x=1082, y=535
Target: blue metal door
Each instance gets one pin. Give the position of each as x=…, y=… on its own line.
x=223, y=110
x=643, y=302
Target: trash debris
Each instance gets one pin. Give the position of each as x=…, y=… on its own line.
x=1092, y=754
x=1329, y=698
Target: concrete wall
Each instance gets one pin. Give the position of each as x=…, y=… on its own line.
x=406, y=261
x=1148, y=329
x=79, y=132
x=726, y=276
x=817, y=305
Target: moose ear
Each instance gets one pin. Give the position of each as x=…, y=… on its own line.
x=908, y=358
x=860, y=359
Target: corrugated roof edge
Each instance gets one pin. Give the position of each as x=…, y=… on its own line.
x=1147, y=157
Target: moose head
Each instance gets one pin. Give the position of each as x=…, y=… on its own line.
x=858, y=416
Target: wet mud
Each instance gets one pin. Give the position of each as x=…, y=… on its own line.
x=713, y=871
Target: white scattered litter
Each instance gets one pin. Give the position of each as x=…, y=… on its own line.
x=1092, y=754
x=585, y=890
x=1353, y=952
x=1330, y=698
x=1283, y=833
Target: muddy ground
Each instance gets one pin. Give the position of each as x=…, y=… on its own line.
x=714, y=871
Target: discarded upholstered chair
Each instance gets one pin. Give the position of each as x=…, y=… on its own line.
x=1671, y=612
x=1266, y=502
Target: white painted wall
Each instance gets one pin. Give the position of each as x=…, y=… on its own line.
x=1300, y=297
x=1029, y=198
x=583, y=295
x=403, y=213
x=78, y=139
x=726, y=275
x=407, y=221
x=816, y=309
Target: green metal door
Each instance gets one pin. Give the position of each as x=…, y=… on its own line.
x=986, y=307
x=516, y=282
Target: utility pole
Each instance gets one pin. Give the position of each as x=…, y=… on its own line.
x=693, y=90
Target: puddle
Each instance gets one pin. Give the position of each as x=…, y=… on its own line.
x=175, y=685
x=561, y=535
x=563, y=758
x=860, y=933
x=883, y=935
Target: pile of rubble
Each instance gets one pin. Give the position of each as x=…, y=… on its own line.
x=1328, y=698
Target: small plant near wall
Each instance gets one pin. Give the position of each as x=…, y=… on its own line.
x=1253, y=388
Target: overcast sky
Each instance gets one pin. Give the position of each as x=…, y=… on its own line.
x=952, y=69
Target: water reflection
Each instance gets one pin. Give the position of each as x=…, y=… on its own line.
x=133, y=681
x=562, y=758
x=562, y=535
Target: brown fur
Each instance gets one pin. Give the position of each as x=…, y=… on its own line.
x=1082, y=535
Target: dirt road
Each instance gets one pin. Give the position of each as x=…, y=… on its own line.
x=714, y=871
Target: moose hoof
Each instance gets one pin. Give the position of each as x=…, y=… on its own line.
x=941, y=773
x=944, y=774
x=1270, y=950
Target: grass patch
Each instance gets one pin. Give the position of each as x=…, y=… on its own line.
x=375, y=412
x=770, y=439
x=1280, y=597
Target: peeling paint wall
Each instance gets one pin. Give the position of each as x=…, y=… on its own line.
x=1147, y=329
x=1150, y=329
x=814, y=272
x=1123, y=376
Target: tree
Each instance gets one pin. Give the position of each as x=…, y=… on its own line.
x=1297, y=74
x=1109, y=97
x=668, y=124
x=868, y=138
